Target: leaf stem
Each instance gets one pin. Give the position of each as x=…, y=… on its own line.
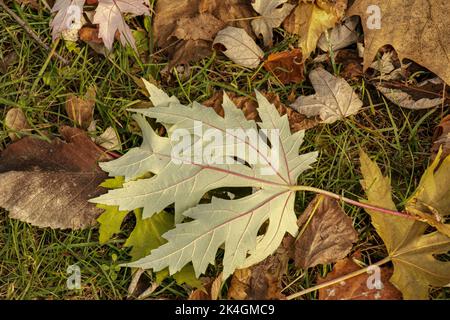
x=337, y=280
x=354, y=202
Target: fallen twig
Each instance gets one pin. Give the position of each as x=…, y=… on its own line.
x=30, y=32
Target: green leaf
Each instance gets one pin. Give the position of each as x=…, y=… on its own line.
x=411, y=250
x=110, y=221
x=232, y=223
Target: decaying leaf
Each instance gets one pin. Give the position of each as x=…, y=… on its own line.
x=357, y=288
x=109, y=15
x=411, y=250
x=286, y=66
x=210, y=289
x=185, y=29
x=239, y=47
x=81, y=109
x=310, y=19
x=326, y=235
x=334, y=99
x=232, y=223
x=441, y=139
x=68, y=18
x=273, y=13
x=249, y=107
x=341, y=36
x=263, y=280
x=48, y=184
x=425, y=95
x=16, y=123
x=416, y=29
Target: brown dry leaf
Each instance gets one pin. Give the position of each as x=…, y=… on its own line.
x=356, y=288
x=90, y=34
x=262, y=281
x=249, y=106
x=49, y=184
x=210, y=291
x=309, y=20
x=326, y=235
x=17, y=123
x=418, y=30
x=425, y=95
x=286, y=66
x=351, y=64
x=185, y=29
x=441, y=139
x=81, y=109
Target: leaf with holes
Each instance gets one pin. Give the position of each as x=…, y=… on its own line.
x=183, y=180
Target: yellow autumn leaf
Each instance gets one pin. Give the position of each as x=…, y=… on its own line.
x=431, y=200
x=411, y=251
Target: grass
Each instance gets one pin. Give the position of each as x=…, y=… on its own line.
x=34, y=261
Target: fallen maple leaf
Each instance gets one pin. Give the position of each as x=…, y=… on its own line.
x=109, y=15
x=310, y=20
x=411, y=250
x=334, y=99
x=356, y=288
x=48, y=184
x=286, y=66
x=326, y=235
x=239, y=47
x=273, y=13
x=234, y=223
x=416, y=29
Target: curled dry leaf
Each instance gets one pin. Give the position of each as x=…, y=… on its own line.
x=341, y=36
x=109, y=140
x=273, y=13
x=309, y=20
x=81, y=109
x=357, y=288
x=239, y=47
x=90, y=34
x=17, y=123
x=326, y=235
x=48, y=184
x=351, y=64
x=334, y=99
x=249, y=107
x=425, y=95
x=209, y=291
x=414, y=28
x=263, y=280
x=286, y=66
x=441, y=139
x=185, y=29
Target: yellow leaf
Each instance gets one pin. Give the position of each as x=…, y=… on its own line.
x=309, y=21
x=431, y=200
x=412, y=252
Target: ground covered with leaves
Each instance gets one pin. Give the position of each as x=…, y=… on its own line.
x=369, y=110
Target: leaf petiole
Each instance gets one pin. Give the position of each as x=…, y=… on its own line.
x=354, y=202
